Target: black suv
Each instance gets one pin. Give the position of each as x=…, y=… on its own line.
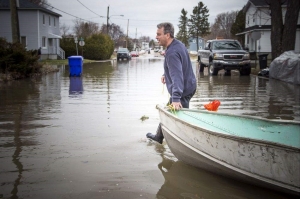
x=123, y=53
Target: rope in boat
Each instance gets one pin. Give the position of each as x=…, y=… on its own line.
x=209, y=123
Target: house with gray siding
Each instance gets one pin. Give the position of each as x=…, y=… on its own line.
x=39, y=27
x=258, y=27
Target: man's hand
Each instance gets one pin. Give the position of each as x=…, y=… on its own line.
x=163, y=79
x=176, y=105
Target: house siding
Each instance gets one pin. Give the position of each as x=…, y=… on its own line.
x=28, y=27
x=264, y=42
x=5, y=30
x=259, y=19
x=257, y=16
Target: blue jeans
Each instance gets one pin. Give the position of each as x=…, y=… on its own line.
x=185, y=102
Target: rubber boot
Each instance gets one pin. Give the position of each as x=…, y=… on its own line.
x=158, y=137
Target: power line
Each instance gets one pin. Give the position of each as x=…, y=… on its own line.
x=89, y=9
x=134, y=20
x=67, y=13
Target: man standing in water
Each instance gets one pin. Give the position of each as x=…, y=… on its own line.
x=178, y=72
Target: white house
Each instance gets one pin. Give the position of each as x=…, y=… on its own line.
x=258, y=27
x=39, y=27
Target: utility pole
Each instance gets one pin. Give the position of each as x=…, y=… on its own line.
x=107, y=19
x=127, y=33
x=135, y=38
x=15, y=21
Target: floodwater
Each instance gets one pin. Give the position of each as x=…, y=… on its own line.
x=83, y=137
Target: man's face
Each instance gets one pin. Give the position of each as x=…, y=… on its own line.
x=161, y=37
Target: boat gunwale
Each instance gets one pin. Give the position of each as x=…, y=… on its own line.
x=234, y=137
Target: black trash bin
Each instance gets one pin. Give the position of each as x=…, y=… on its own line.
x=252, y=55
x=263, y=61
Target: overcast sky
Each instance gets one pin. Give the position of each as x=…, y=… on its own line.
x=141, y=16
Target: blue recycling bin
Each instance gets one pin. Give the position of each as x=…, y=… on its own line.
x=76, y=65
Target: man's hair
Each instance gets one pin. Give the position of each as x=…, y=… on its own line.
x=168, y=28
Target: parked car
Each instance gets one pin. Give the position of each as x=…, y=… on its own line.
x=134, y=54
x=142, y=52
x=123, y=53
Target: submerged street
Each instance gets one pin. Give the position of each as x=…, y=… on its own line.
x=83, y=137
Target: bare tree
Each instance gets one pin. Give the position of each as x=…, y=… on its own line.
x=116, y=33
x=85, y=29
x=64, y=29
x=224, y=22
x=42, y=3
x=290, y=25
x=215, y=32
x=283, y=35
x=277, y=27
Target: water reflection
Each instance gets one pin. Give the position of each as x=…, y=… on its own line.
x=16, y=160
x=272, y=99
x=17, y=129
x=76, y=86
x=187, y=182
x=281, y=94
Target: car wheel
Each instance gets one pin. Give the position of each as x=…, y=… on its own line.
x=245, y=71
x=201, y=66
x=212, y=70
x=227, y=73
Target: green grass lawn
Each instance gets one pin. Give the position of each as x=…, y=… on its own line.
x=61, y=61
x=65, y=61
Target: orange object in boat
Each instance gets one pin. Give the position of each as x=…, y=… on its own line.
x=212, y=106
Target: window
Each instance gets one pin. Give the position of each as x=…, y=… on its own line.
x=43, y=42
x=226, y=45
x=54, y=21
x=49, y=21
x=44, y=19
x=23, y=41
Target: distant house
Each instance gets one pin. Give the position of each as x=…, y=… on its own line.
x=193, y=44
x=39, y=27
x=145, y=45
x=258, y=27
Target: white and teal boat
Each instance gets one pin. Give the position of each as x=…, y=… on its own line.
x=260, y=151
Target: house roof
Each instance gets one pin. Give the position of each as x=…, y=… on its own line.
x=265, y=3
x=26, y=5
x=261, y=3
